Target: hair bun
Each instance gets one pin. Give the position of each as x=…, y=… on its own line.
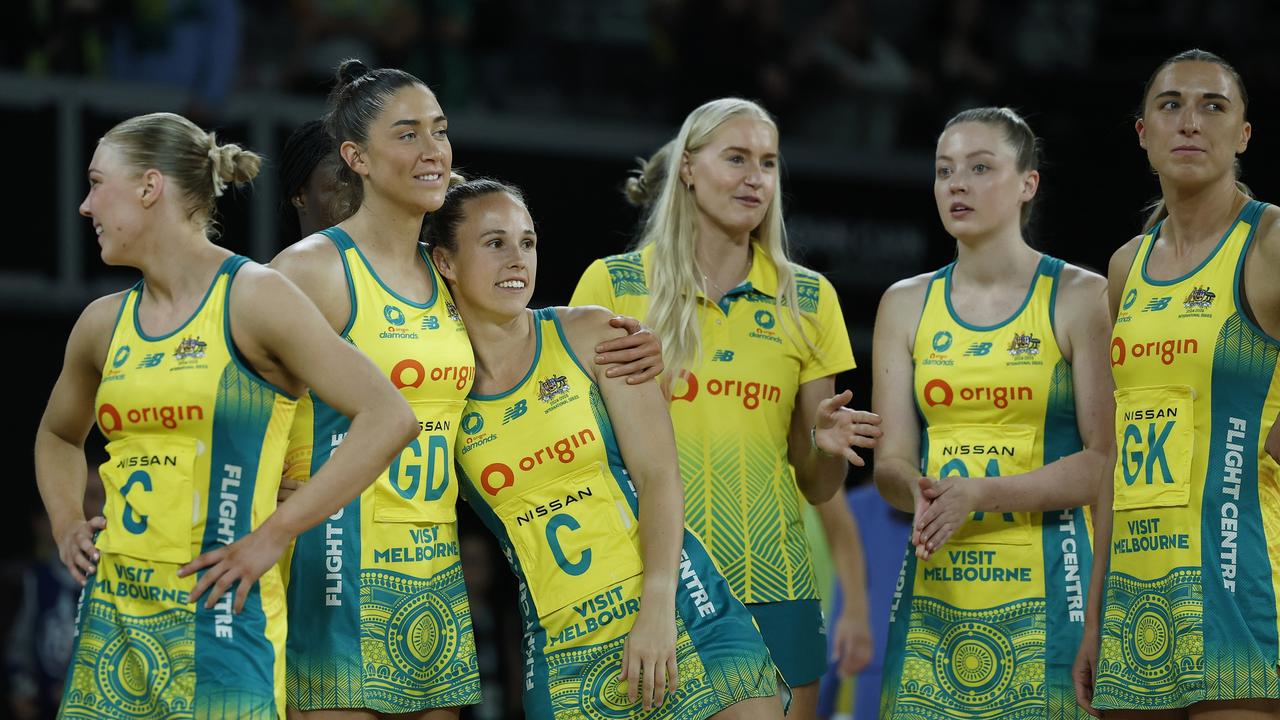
x=231, y=164
x=350, y=70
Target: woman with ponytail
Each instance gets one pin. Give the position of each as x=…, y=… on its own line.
x=752, y=343
x=379, y=613
x=194, y=386
x=1182, y=619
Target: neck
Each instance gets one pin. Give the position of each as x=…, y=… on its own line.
x=1198, y=215
x=177, y=267
x=384, y=228
x=501, y=343
x=724, y=259
x=995, y=258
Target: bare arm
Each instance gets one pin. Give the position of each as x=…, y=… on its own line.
x=853, y=630
x=294, y=347
x=1070, y=481
x=897, y=469
x=1262, y=293
x=314, y=266
x=61, y=472
x=648, y=446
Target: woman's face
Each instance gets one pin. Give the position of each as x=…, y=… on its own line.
x=976, y=184
x=1192, y=123
x=495, y=257
x=735, y=175
x=114, y=203
x=407, y=157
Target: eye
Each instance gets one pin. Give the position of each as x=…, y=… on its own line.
x=441, y=132
x=1215, y=107
x=736, y=159
x=943, y=173
x=770, y=164
x=980, y=168
x=410, y=135
x=1169, y=105
x=529, y=243
x=495, y=243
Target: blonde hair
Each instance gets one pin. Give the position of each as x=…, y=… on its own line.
x=186, y=155
x=671, y=228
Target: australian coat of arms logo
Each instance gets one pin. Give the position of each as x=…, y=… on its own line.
x=191, y=348
x=1024, y=344
x=1200, y=298
x=552, y=388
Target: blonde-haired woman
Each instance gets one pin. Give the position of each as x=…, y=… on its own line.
x=194, y=388
x=752, y=343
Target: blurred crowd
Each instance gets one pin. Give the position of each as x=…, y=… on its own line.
x=854, y=73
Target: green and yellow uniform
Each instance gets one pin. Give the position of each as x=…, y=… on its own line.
x=196, y=441
x=377, y=604
x=542, y=469
x=732, y=415
x=988, y=627
x=1190, y=611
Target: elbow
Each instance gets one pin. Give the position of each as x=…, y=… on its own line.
x=404, y=421
x=818, y=492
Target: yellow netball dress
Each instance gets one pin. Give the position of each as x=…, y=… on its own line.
x=988, y=626
x=1189, y=612
x=378, y=609
x=542, y=470
x=732, y=416
x=196, y=440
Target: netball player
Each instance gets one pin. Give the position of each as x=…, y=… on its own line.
x=1187, y=624
x=753, y=342
x=191, y=375
x=376, y=592
x=577, y=476
x=990, y=377
x=308, y=178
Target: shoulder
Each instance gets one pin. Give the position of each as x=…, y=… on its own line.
x=1122, y=259
x=91, y=336
x=1077, y=281
x=626, y=273
x=1267, y=236
x=312, y=260
x=588, y=324
x=907, y=294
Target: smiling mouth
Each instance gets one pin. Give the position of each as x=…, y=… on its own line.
x=512, y=284
x=429, y=177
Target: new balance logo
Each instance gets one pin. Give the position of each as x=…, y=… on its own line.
x=978, y=349
x=722, y=356
x=1157, y=304
x=150, y=361
x=514, y=412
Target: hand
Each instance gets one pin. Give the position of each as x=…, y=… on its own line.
x=922, y=505
x=287, y=487
x=243, y=561
x=1085, y=667
x=637, y=355
x=76, y=549
x=950, y=502
x=852, y=648
x=837, y=429
x=649, y=657
x=1272, y=446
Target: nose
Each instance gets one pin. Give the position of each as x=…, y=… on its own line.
x=84, y=207
x=956, y=185
x=1189, y=121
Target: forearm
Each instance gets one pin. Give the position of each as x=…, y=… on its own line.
x=1102, y=523
x=61, y=474
x=898, y=482
x=818, y=475
x=849, y=563
x=372, y=442
x=661, y=535
x=1065, y=483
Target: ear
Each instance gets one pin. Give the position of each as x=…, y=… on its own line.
x=444, y=263
x=299, y=201
x=686, y=170
x=1030, y=185
x=1141, y=129
x=354, y=157
x=151, y=187
x=1245, y=133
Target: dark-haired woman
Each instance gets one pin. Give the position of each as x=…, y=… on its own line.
x=308, y=179
x=991, y=382
x=377, y=603
x=577, y=476
x=1189, y=526
x=194, y=389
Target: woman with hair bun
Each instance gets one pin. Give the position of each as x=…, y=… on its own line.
x=376, y=596
x=194, y=388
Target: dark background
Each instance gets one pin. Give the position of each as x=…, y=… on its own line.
x=559, y=97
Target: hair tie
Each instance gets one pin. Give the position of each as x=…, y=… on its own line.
x=219, y=185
